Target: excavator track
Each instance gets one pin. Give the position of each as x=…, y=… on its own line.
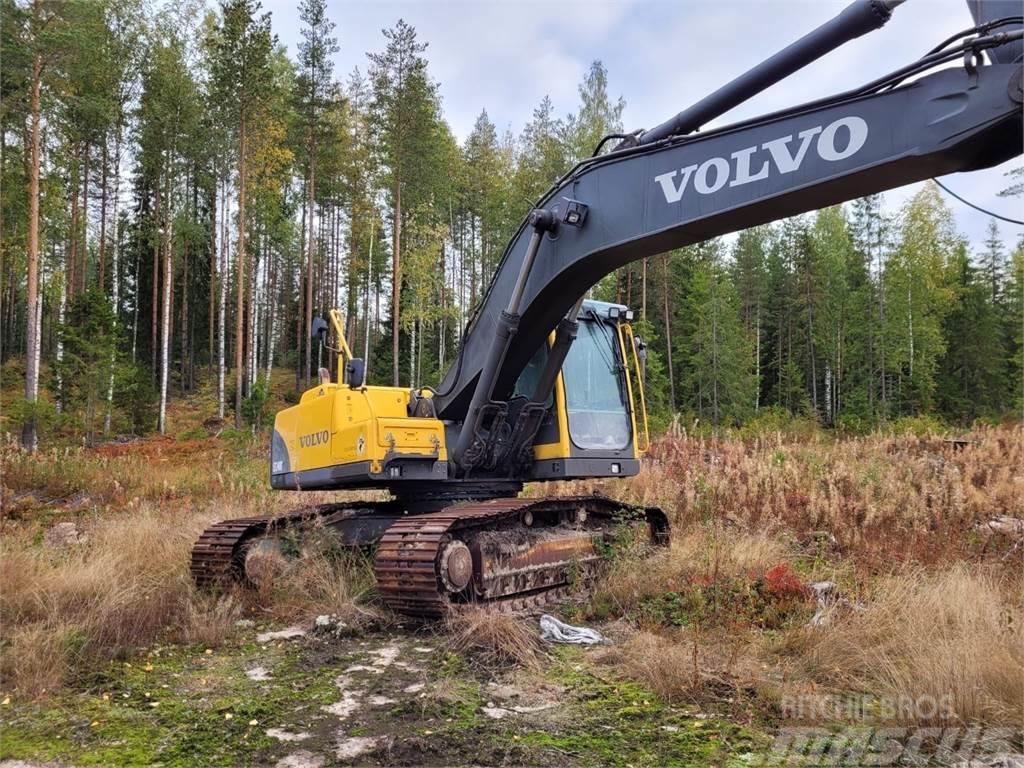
x=218, y=556
x=514, y=566
x=510, y=553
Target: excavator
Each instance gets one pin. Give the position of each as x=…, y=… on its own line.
x=548, y=385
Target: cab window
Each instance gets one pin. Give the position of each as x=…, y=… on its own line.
x=595, y=392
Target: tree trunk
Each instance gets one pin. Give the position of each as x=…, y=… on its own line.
x=223, y=299
x=29, y=438
x=101, y=266
x=311, y=246
x=83, y=265
x=668, y=339
x=72, y=259
x=115, y=274
x=396, y=281
x=240, y=293
x=212, y=284
x=300, y=315
x=154, y=330
x=165, y=331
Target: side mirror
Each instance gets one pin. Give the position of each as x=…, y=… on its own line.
x=319, y=329
x=355, y=372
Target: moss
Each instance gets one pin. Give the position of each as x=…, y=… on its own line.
x=622, y=723
x=176, y=707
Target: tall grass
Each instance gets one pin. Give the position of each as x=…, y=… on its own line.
x=952, y=638
x=882, y=499
x=66, y=610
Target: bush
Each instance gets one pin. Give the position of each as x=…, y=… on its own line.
x=776, y=419
x=919, y=426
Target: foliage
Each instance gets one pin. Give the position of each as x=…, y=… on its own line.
x=358, y=195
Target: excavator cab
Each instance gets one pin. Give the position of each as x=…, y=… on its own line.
x=597, y=424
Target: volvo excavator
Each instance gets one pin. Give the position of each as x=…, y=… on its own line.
x=548, y=385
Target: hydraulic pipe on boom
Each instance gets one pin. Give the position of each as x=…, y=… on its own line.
x=858, y=18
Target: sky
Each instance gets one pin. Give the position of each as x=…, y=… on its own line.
x=661, y=56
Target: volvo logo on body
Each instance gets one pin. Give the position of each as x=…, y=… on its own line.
x=316, y=438
x=785, y=155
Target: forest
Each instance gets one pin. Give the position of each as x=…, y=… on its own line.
x=181, y=198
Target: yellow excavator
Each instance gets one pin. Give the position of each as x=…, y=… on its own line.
x=548, y=385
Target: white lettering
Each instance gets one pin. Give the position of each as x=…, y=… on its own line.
x=827, y=141
x=743, y=176
x=721, y=175
x=674, y=194
x=781, y=154
x=785, y=162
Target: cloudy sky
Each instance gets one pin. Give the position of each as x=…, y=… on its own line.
x=661, y=55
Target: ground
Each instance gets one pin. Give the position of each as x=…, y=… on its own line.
x=718, y=643
x=395, y=698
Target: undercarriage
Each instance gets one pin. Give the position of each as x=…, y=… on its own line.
x=511, y=552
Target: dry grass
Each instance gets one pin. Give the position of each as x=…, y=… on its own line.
x=951, y=637
x=493, y=638
x=718, y=669
x=65, y=609
x=696, y=554
x=323, y=579
x=891, y=518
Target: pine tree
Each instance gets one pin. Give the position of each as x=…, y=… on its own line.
x=241, y=76
x=404, y=119
x=719, y=367
x=972, y=370
x=994, y=263
x=1014, y=324
x=314, y=84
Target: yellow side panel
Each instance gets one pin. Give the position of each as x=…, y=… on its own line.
x=306, y=428
x=335, y=425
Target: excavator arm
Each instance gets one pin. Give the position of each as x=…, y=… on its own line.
x=666, y=189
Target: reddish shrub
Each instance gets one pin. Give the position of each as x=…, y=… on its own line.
x=782, y=581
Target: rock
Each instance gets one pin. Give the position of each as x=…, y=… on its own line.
x=283, y=634
x=354, y=746
x=282, y=735
x=64, y=535
x=1007, y=760
x=342, y=709
x=829, y=601
x=385, y=656
x=1004, y=524
x=414, y=688
x=331, y=627
x=496, y=713
x=258, y=674
x=301, y=759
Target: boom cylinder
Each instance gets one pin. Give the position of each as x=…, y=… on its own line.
x=858, y=18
